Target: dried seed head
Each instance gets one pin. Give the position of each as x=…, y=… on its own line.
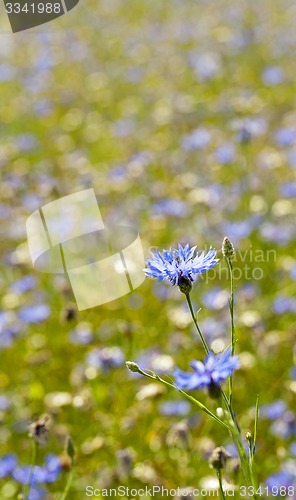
x=39, y=428
x=218, y=458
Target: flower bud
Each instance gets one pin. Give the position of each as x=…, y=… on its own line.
x=227, y=248
x=132, y=366
x=70, y=449
x=185, y=285
x=250, y=441
x=218, y=458
x=214, y=391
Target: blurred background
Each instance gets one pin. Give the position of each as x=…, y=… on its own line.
x=181, y=116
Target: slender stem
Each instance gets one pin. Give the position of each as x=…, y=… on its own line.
x=220, y=485
x=231, y=307
x=33, y=463
x=231, y=304
x=255, y=426
x=196, y=323
x=235, y=430
x=154, y=376
x=68, y=484
x=207, y=351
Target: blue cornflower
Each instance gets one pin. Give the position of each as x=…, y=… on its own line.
x=35, y=313
x=180, y=267
x=281, y=479
x=7, y=465
x=106, y=358
x=41, y=474
x=274, y=410
x=215, y=370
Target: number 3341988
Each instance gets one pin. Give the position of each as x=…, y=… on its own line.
x=33, y=8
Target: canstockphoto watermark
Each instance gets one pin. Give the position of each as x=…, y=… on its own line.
x=24, y=14
x=69, y=236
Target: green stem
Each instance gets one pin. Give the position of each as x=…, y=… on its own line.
x=234, y=427
x=68, y=484
x=196, y=323
x=231, y=307
x=220, y=485
x=33, y=463
x=201, y=406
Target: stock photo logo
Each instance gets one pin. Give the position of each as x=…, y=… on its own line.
x=25, y=15
x=69, y=236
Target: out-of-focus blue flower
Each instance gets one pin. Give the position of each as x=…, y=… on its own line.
x=34, y=314
x=7, y=465
x=288, y=189
x=46, y=474
x=238, y=230
x=31, y=201
x=155, y=360
x=271, y=232
x=285, y=426
x=293, y=373
x=21, y=474
x=52, y=468
x=249, y=127
x=43, y=107
x=285, y=136
x=283, y=305
x=291, y=158
x=198, y=139
x=7, y=72
x=124, y=127
x=214, y=327
x=206, y=66
x=274, y=410
x=215, y=299
x=8, y=335
x=82, y=334
x=225, y=154
x=273, y=75
x=215, y=370
x=293, y=272
x=37, y=494
x=10, y=328
x=174, y=408
x=5, y=211
x=283, y=478
x=172, y=265
x=119, y=173
x=26, y=142
x=172, y=207
x=293, y=449
x=105, y=358
x=4, y=403
x=23, y=284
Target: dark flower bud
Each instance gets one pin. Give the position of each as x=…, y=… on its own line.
x=219, y=458
x=214, y=391
x=69, y=313
x=39, y=428
x=70, y=449
x=185, y=285
x=227, y=248
x=178, y=435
